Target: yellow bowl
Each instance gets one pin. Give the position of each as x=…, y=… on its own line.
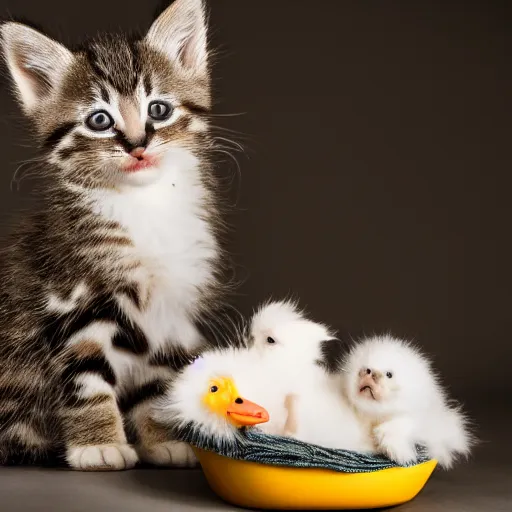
x=263, y=486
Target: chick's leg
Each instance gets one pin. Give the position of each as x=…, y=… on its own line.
x=290, y=427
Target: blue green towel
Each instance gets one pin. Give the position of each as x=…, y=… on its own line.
x=254, y=446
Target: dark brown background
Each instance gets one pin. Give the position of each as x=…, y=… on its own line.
x=376, y=180
x=375, y=183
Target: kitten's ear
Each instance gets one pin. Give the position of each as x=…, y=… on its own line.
x=180, y=33
x=36, y=62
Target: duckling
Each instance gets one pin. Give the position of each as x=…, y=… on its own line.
x=209, y=396
x=392, y=386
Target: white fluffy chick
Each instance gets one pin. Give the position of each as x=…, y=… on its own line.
x=303, y=356
x=393, y=388
x=282, y=334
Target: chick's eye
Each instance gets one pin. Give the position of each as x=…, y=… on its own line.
x=99, y=121
x=389, y=375
x=159, y=110
x=270, y=340
x=368, y=371
x=214, y=389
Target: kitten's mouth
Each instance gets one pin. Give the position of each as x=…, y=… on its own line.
x=365, y=389
x=139, y=165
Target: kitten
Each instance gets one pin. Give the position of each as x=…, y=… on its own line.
x=393, y=388
x=105, y=289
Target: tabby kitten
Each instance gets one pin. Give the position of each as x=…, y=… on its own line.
x=104, y=288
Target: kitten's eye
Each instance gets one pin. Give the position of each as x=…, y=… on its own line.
x=270, y=340
x=389, y=375
x=99, y=121
x=159, y=110
x=214, y=389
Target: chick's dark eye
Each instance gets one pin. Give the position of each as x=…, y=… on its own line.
x=99, y=121
x=159, y=110
x=368, y=371
x=270, y=340
x=214, y=389
x=389, y=375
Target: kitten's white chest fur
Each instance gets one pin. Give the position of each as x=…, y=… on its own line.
x=172, y=241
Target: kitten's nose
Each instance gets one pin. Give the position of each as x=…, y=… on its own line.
x=138, y=152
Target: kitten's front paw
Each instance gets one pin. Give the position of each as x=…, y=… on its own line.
x=394, y=446
x=170, y=453
x=104, y=457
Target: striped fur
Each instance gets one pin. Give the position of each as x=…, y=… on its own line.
x=107, y=290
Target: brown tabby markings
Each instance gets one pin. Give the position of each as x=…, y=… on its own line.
x=96, y=422
x=93, y=328
x=85, y=349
